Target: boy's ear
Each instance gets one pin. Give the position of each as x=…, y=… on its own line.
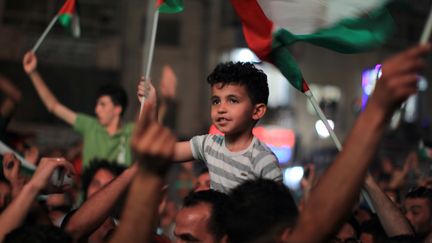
x=259, y=111
x=118, y=109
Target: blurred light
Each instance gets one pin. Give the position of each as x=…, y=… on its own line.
x=293, y=176
x=321, y=129
x=422, y=84
x=282, y=153
x=243, y=55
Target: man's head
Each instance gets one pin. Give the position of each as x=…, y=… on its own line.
x=98, y=174
x=260, y=209
x=418, y=209
x=111, y=103
x=239, y=96
x=202, y=218
x=203, y=181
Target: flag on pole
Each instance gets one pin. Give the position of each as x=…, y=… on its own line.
x=346, y=26
x=68, y=17
x=169, y=6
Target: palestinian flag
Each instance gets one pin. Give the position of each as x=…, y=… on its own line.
x=68, y=17
x=346, y=26
x=169, y=6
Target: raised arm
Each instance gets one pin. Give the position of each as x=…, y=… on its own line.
x=154, y=147
x=48, y=98
x=13, y=216
x=97, y=208
x=333, y=197
x=390, y=216
x=13, y=97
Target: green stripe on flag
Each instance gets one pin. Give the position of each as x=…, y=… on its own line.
x=171, y=6
x=65, y=20
x=349, y=35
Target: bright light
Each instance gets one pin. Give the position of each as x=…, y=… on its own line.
x=243, y=55
x=293, y=176
x=422, y=84
x=321, y=128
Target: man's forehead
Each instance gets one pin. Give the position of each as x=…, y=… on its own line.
x=418, y=201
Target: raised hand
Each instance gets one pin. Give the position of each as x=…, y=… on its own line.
x=42, y=178
x=168, y=83
x=146, y=89
x=29, y=62
x=399, y=78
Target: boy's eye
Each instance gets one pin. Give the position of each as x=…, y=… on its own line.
x=232, y=100
x=215, y=101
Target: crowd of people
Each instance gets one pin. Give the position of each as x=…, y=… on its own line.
x=119, y=190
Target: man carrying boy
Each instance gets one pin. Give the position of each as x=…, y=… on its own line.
x=239, y=99
x=105, y=137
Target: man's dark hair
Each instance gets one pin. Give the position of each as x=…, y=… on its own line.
x=258, y=208
x=219, y=203
x=37, y=234
x=117, y=94
x=420, y=192
x=242, y=73
x=374, y=228
x=96, y=165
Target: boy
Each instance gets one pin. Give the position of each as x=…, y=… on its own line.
x=105, y=137
x=239, y=99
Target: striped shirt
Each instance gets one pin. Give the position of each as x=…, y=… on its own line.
x=229, y=169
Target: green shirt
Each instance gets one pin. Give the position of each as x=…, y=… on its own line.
x=99, y=144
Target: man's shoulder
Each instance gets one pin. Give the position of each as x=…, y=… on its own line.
x=84, y=121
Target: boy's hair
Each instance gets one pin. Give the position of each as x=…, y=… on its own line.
x=116, y=93
x=242, y=73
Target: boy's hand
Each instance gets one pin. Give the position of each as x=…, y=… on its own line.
x=153, y=144
x=399, y=78
x=29, y=62
x=41, y=179
x=145, y=89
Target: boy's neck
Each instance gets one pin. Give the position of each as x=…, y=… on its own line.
x=238, y=142
x=113, y=126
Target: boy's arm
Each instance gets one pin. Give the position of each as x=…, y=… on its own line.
x=332, y=199
x=48, y=98
x=391, y=218
x=183, y=152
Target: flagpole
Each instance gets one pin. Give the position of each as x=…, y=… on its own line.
x=44, y=34
x=427, y=29
x=150, y=54
x=333, y=136
x=323, y=118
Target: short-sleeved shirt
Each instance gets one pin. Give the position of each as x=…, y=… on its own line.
x=228, y=169
x=98, y=144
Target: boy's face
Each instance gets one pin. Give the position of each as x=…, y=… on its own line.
x=106, y=111
x=232, y=110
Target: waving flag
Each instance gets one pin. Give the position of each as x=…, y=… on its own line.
x=68, y=17
x=169, y=6
x=346, y=26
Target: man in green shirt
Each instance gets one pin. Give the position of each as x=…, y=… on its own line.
x=105, y=137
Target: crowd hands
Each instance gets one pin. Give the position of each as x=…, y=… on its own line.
x=131, y=204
